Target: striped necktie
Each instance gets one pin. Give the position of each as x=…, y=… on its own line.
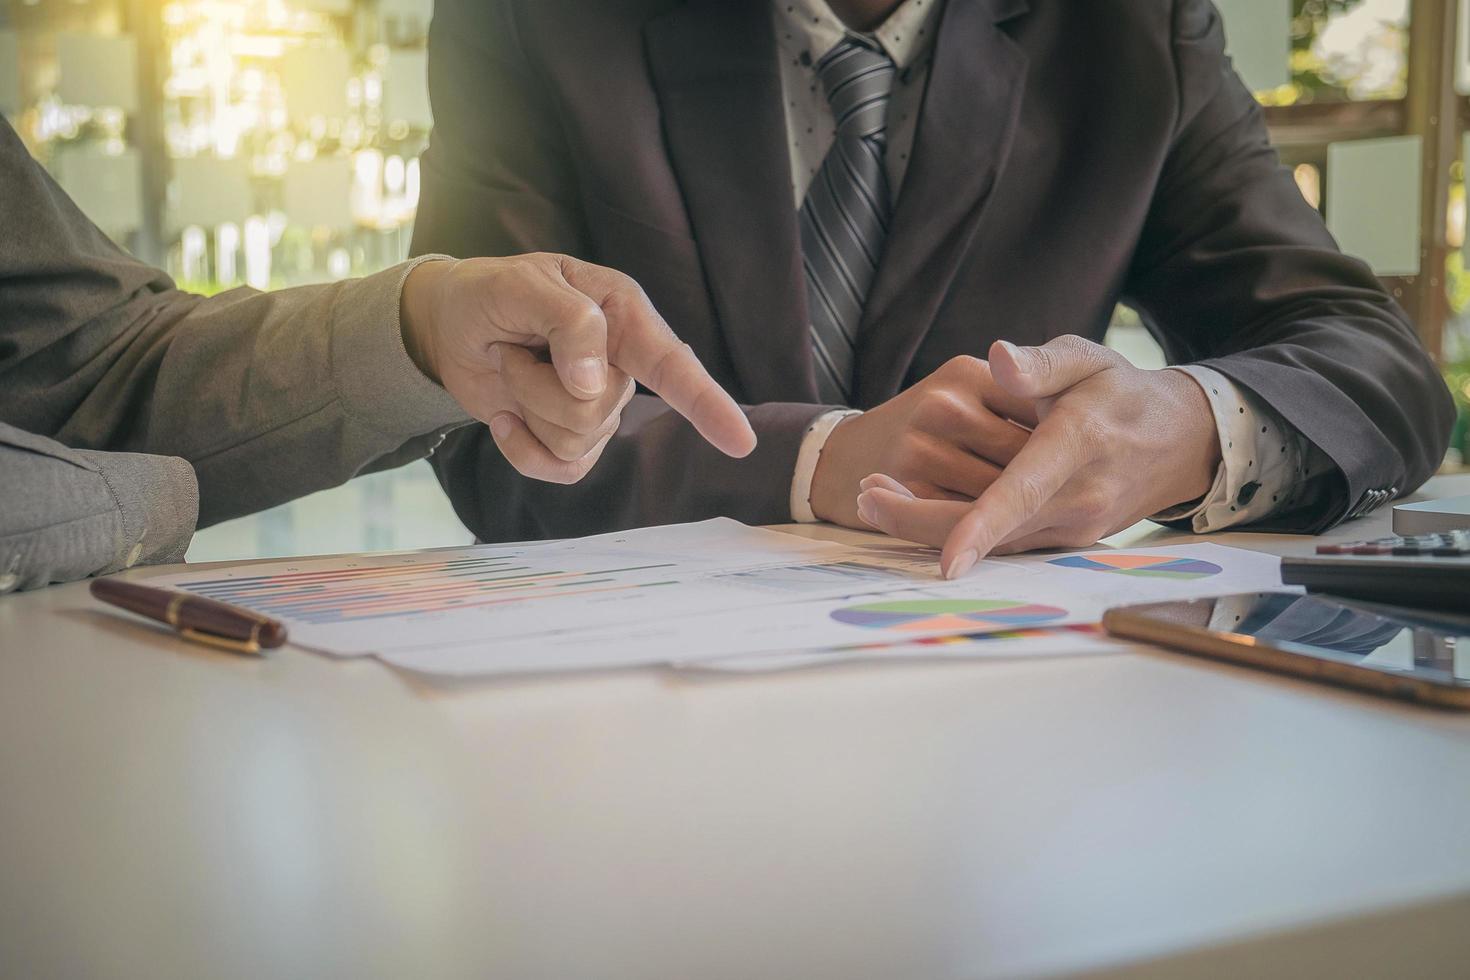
x=844, y=218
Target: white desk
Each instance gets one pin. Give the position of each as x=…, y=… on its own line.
x=171, y=812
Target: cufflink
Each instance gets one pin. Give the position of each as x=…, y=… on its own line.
x=1372, y=500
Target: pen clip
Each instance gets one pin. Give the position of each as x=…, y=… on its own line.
x=251, y=645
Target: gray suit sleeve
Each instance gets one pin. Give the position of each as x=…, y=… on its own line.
x=71, y=513
x=142, y=392
x=271, y=396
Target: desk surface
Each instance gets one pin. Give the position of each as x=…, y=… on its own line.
x=168, y=811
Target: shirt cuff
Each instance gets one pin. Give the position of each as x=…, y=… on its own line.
x=158, y=501
x=379, y=383
x=806, y=463
x=1263, y=459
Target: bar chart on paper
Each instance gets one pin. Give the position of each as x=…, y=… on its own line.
x=380, y=591
x=378, y=603
x=886, y=565
x=683, y=592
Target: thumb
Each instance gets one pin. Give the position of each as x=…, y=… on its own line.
x=526, y=300
x=577, y=341
x=1048, y=370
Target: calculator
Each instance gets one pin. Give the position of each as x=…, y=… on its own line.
x=1424, y=571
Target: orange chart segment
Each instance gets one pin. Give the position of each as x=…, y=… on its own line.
x=1143, y=566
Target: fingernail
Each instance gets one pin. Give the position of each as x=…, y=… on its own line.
x=496, y=358
x=878, y=481
x=1022, y=359
x=589, y=375
x=962, y=564
x=501, y=426
x=866, y=510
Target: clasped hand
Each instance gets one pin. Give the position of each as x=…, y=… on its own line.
x=546, y=349
x=1043, y=447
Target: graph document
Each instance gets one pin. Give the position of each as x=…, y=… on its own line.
x=683, y=593
x=373, y=603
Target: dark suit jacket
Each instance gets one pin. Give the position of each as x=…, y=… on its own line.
x=1068, y=156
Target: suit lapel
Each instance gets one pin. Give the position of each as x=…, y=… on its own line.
x=714, y=67
x=965, y=129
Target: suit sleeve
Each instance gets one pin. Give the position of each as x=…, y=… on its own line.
x=1237, y=272
x=127, y=383
x=70, y=513
x=499, y=179
x=271, y=396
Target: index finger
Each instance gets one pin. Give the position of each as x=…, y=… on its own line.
x=1040, y=469
x=641, y=343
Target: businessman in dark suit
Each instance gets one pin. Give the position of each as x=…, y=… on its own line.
x=842, y=205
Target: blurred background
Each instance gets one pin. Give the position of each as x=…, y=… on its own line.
x=275, y=142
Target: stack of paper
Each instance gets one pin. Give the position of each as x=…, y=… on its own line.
x=713, y=593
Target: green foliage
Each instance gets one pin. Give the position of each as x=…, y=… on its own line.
x=1457, y=376
x=204, y=287
x=1458, y=282
x=1457, y=373
x=1310, y=16
x=1309, y=75
x=1308, y=19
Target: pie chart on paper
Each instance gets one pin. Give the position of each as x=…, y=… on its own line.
x=970, y=615
x=1145, y=566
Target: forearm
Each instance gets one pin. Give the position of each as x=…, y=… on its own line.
x=1237, y=273
x=1267, y=472
x=67, y=514
x=267, y=395
x=656, y=470
x=271, y=395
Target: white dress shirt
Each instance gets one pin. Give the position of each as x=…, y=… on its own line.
x=806, y=30
x=1264, y=461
